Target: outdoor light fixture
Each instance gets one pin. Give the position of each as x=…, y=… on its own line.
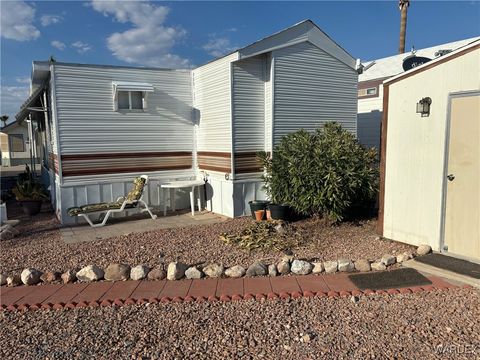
x=423, y=106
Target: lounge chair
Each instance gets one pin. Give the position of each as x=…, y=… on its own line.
x=132, y=200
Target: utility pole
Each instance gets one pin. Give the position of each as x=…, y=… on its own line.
x=403, y=5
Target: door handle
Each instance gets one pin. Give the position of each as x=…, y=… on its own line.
x=450, y=177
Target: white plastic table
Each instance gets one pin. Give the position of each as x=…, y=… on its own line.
x=181, y=184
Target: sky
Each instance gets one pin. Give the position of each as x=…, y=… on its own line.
x=187, y=34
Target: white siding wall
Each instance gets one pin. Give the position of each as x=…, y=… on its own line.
x=268, y=103
x=311, y=88
x=212, y=102
x=415, y=151
x=88, y=124
x=369, y=119
x=249, y=104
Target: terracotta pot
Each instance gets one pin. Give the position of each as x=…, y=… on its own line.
x=259, y=214
x=269, y=215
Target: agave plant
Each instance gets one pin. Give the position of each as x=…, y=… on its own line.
x=29, y=190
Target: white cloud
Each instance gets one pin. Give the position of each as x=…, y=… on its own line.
x=81, y=47
x=218, y=46
x=48, y=19
x=58, y=45
x=23, y=80
x=149, y=42
x=17, y=21
x=11, y=98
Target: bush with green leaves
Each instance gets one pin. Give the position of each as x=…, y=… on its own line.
x=29, y=190
x=325, y=172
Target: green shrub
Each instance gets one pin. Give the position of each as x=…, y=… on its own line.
x=29, y=190
x=325, y=172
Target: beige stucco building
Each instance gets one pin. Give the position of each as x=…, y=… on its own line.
x=430, y=163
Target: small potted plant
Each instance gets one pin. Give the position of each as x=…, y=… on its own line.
x=30, y=193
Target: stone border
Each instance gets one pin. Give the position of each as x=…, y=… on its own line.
x=177, y=270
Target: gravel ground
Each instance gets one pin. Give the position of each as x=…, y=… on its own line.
x=41, y=246
x=401, y=326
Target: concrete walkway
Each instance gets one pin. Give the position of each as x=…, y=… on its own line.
x=137, y=223
x=58, y=296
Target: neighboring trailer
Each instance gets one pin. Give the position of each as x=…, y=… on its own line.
x=430, y=165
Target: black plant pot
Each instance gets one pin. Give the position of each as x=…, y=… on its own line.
x=257, y=205
x=31, y=207
x=279, y=212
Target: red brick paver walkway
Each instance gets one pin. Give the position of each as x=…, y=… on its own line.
x=130, y=292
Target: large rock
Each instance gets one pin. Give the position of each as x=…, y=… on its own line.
x=90, y=273
x=301, y=267
x=283, y=267
x=378, y=266
x=424, y=249
x=388, y=259
x=3, y=279
x=345, y=265
x=362, y=265
x=50, y=276
x=402, y=257
x=213, y=270
x=272, y=270
x=257, y=269
x=330, y=266
x=8, y=232
x=117, y=272
x=69, y=276
x=317, y=267
x=176, y=270
x=139, y=272
x=14, y=280
x=236, y=271
x=193, y=273
x=30, y=276
x=157, y=274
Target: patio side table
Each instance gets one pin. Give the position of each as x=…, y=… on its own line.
x=181, y=184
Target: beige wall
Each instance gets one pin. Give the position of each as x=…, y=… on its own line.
x=416, y=149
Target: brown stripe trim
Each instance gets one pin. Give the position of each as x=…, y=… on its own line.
x=214, y=168
x=250, y=170
x=431, y=65
x=215, y=154
x=125, y=155
x=124, y=170
x=383, y=153
x=250, y=154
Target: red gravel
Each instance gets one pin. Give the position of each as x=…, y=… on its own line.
x=41, y=246
x=427, y=325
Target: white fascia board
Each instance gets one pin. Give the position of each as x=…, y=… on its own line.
x=323, y=42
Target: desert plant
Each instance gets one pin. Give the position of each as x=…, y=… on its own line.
x=29, y=190
x=325, y=172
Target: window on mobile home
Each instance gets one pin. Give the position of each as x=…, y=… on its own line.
x=16, y=142
x=130, y=100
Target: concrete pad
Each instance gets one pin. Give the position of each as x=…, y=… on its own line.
x=134, y=224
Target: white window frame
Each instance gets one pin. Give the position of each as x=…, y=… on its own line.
x=144, y=101
x=131, y=87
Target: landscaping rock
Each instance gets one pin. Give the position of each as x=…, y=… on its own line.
x=8, y=232
x=176, y=270
x=213, y=270
x=317, y=268
x=280, y=228
x=301, y=267
x=388, y=259
x=90, y=273
x=272, y=270
x=378, y=266
x=257, y=269
x=402, y=257
x=330, y=266
x=117, y=272
x=157, y=274
x=3, y=279
x=14, y=280
x=69, y=276
x=283, y=267
x=288, y=258
x=362, y=265
x=424, y=249
x=30, y=276
x=50, y=276
x=236, y=271
x=193, y=273
x=345, y=265
x=139, y=272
